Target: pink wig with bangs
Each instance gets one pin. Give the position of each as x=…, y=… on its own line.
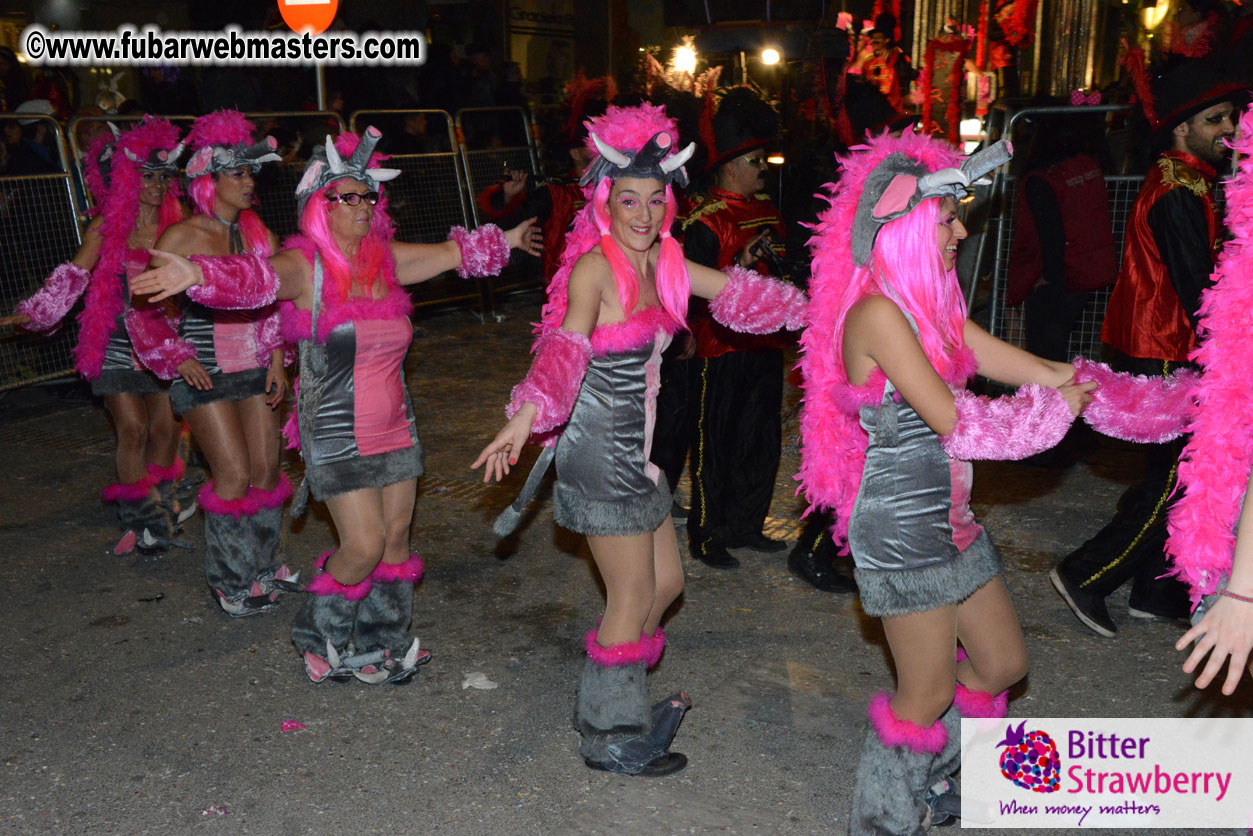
x=120, y=209
x=224, y=127
x=906, y=267
x=374, y=258
x=624, y=128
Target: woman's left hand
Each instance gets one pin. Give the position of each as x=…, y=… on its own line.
x=275, y=384
x=175, y=276
x=1225, y=634
x=526, y=236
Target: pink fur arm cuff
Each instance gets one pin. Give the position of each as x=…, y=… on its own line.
x=754, y=304
x=1007, y=428
x=1148, y=410
x=53, y=301
x=484, y=252
x=156, y=342
x=235, y=282
x=552, y=384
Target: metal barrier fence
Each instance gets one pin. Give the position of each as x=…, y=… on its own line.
x=1006, y=322
x=38, y=230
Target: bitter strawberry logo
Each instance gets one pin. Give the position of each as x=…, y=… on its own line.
x=313, y=16
x=1030, y=759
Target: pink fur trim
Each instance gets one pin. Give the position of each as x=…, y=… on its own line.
x=628, y=128
x=274, y=497
x=754, y=304
x=552, y=384
x=408, y=572
x=1215, y=465
x=49, y=305
x=324, y=582
x=173, y=473
x=1147, y=410
x=156, y=341
x=893, y=731
x=637, y=332
x=627, y=653
x=1008, y=428
x=972, y=703
x=235, y=282
x=656, y=644
x=221, y=127
x=127, y=491
x=291, y=428
x=484, y=252
x=246, y=505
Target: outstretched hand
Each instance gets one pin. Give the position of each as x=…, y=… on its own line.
x=175, y=276
x=526, y=236
x=1225, y=634
x=16, y=320
x=505, y=448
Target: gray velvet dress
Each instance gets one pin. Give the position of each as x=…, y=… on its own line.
x=914, y=542
x=605, y=483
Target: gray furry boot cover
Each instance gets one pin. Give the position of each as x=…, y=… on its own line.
x=383, y=622
x=229, y=560
x=889, y=798
x=612, y=714
x=267, y=531
x=323, y=628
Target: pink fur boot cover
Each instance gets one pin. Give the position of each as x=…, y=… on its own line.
x=1214, y=467
x=234, y=282
x=755, y=304
x=893, y=731
x=552, y=384
x=627, y=653
x=484, y=252
x=127, y=491
x=410, y=571
x=49, y=305
x=1008, y=428
x=1147, y=410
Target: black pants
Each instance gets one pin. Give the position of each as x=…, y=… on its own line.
x=1050, y=314
x=676, y=423
x=737, y=401
x=1132, y=545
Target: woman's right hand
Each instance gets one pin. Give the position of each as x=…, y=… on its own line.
x=174, y=276
x=195, y=376
x=16, y=320
x=1225, y=634
x=505, y=448
x=1077, y=395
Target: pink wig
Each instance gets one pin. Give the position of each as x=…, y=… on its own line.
x=228, y=128
x=120, y=209
x=374, y=259
x=624, y=128
x=906, y=266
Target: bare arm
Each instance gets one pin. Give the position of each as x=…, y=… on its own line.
x=418, y=262
x=1004, y=363
x=89, y=251
x=176, y=273
x=706, y=281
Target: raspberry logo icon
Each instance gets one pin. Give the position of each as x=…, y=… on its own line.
x=1030, y=759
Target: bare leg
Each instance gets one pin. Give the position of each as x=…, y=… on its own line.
x=130, y=422
x=260, y=425
x=358, y=517
x=627, y=566
x=398, y=502
x=995, y=649
x=163, y=431
x=220, y=434
x=923, y=649
x=668, y=571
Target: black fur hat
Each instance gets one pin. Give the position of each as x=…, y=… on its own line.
x=740, y=122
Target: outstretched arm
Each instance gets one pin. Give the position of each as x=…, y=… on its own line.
x=1004, y=363
x=480, y=252
x=45, y=309
x=284, y=276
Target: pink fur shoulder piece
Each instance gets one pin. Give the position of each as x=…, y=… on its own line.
x=1214, y=468
x=638, y=331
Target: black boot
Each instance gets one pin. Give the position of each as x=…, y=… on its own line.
x=382, y=624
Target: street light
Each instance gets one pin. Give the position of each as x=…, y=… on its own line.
x=685, y=59
x=770, y=55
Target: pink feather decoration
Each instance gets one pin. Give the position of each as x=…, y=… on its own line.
x=274, y=497
x=1215, y=464
x=618, y=655
x=552, y=384
x=126, y=492
x=635, y=333
x=893, y=731
x=1010, y=427
x=484, y=252
x=408, y=572
x=222, y=127
x=1146, y=410
x=980, y=704
x=246, y=505
x=324, y=583
x=754, y=304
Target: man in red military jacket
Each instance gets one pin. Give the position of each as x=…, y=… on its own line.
x=735, y=381
x=1168, y=256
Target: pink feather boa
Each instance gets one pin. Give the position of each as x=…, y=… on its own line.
x=618, y=655
x=755, y=304
x=552, y=384
x=1214, y=468
x=156, y=341
x=1008, y=428
x=893, y=731
x=324, y=582
x=833, y=444
x=1146, y=410
x=484, y=252
x=408, y=572
x=49, y=305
